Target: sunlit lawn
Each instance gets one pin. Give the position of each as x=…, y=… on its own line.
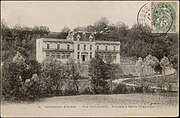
x=88, y=105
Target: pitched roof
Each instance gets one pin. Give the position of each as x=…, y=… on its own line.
x=83, y=36
x=57, y=40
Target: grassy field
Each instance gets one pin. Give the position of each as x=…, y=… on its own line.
x=93, y=103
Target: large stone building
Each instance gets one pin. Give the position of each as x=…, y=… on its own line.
x=81, y=46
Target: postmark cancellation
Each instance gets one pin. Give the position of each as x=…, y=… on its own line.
x=161, y=17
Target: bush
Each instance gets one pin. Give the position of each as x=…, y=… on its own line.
x=12, y=84
x=52, y=72
x=71, y=92
x=33, y=89
x=14, y=87
x=101, y=87
x=139, y=89
x=120, y=89
x=100, y=71
x=87, y=91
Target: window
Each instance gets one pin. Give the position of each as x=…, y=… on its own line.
x=63, y=55
x=68, y=55
x=48, y=45
x=114, y=48
x=106, y=56
x=90, y=47
x=106, y=48
x=58, y=46
x=114, y=57
x=68, y=47
x=90, y=38
x=78, y=55
x=97, y=47
x=47, y=54
x=84, y=47
x=111, y=56
x=78, y=37
x=58, y=55
x=90, y=55
x=103, y=56
x=78, y=47
x=83, y=58
x=53, y=54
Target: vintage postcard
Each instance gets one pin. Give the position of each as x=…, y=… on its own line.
x=89, y=58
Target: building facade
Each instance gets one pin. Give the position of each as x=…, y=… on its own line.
x=81, y=46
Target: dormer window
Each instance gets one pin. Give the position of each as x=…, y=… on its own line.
x=78, y=37
x=90, y=37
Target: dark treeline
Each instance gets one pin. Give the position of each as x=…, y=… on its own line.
x=134, y=42
x=21, y=38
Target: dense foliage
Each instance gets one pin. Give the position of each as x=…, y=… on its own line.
x=21, y=38
x=52, y=73
x=101, y=72
x=134, y=42
x=20, y=82
x=13, y=85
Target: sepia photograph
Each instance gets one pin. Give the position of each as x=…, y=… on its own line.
x=89, y=58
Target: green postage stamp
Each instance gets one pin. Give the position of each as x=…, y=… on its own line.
x=164, y=17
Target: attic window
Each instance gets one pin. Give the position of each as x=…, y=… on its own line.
x=78, y=37
x=90, y=38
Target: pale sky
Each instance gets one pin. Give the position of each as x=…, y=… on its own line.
x=71, y=14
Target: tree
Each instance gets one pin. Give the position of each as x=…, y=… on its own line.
x=33, y=88
x=52, y=73
x=90, y=28
x=99, y=73
x=34, y=67
x=102, y=20
x=101, y=27
x=12, y=84
x=72, y=71
x=15, y=87
x=79, y=28
x=20, y=36
x=65, y=29
x=151, y=61
x=164, y=63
